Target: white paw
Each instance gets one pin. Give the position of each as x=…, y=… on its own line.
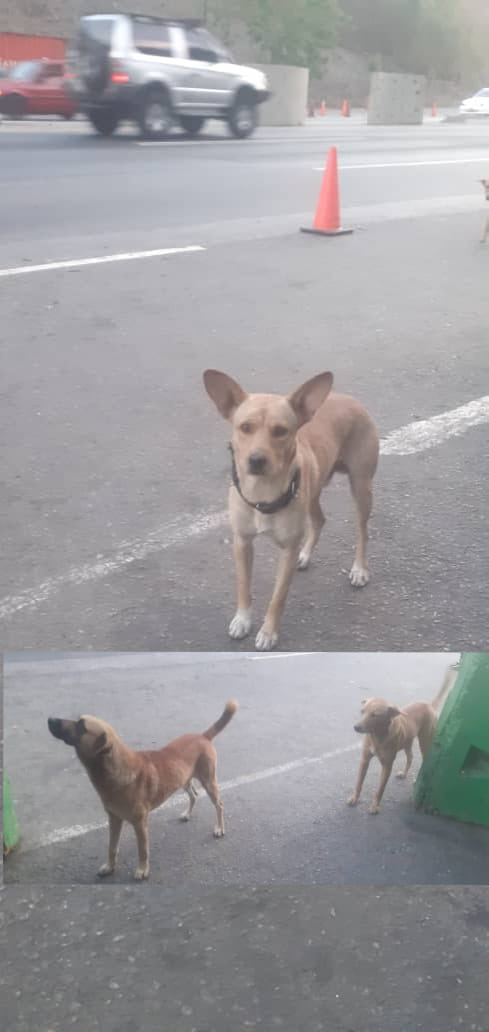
x=265, y=641
x=352, y=801
x=303, y=560
x=240, y=625
x=140, y=873
x=185, y=817
x=359, y=576
x=105, y=870
x=401, y=775
x=218, y=832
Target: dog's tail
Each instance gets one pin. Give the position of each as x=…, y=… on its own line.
x=446, y=685
x=229, y=711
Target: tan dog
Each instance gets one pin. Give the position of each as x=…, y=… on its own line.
x=285, y=450
x=131, y=784
x=485, y=231
x=389, y=730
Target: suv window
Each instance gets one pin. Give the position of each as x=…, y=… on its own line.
x=152, y=38
x=99, y=29
x=203, y=47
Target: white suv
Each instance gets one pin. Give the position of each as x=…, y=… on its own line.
x=159, y=72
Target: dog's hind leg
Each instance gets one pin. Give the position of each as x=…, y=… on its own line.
x=115, y=828
x=361, y=489
x=409, y=759
x=315, y=523
x=192, y=793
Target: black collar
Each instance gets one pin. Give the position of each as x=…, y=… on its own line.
x=267, y=508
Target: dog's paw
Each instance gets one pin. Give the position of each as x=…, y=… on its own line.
x=303, y=560
x=140, y=873
x=240, y=625
x=218, y=832
x=104, y=870
x=401, y=775
x=374, y=808
x=184, y=817
x=265, y=641
x=359, y=576
x=352, y=801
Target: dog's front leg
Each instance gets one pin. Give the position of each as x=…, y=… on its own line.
x=485, y=231
x=384, y=777
x=240, y=625
x=362, y=773
x=141, y=829
x=115, y=828
x=267, y=636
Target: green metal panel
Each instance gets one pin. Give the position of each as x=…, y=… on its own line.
x=10, y=827
x=454, y=778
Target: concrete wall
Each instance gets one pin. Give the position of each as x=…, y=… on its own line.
x=58, y=17
x=289, y=86
x=396, y=99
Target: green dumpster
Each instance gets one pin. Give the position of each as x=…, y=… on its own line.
x=454, y=778
x=10, y=826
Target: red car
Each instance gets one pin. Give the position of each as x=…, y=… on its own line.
x=35, y=88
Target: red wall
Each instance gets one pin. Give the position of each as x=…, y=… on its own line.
x=15, y=47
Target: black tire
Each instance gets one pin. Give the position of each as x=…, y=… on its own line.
x=104, y=120
x=67, y=117
x=191, y=124
x=154, y=114
x=15, y=106
x=243, y=116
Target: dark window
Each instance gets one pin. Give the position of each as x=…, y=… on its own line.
x=201, y=46
x=152, y=38
x=99, y=29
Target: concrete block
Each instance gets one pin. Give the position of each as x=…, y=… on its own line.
x=396, y=99
x=289, y=86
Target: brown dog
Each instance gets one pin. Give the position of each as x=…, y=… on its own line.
x=389, y=730
x=485, y=231
x=131, y=784
x=285, y=450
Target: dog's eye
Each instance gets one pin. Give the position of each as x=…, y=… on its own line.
x=279, y=431
x=246, y=428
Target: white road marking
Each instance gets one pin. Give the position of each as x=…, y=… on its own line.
x=414, y=437
x=484, y=159
x=76, y=263
x=427, y=433
x=51, y=838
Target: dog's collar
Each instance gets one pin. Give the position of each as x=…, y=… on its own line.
x=267, y=508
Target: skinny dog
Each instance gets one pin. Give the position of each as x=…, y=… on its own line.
x=485, y=231
x=131, y=784
x=389, y=730
x=284, y=450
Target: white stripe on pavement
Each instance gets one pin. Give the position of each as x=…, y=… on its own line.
x=484, y=159
x=76, y=263
x=414, y=437
x=51, y=838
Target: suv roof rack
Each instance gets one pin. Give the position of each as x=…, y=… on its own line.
x=190, y=23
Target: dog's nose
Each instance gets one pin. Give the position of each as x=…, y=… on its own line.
x=257, y=462
x=358, y=727
x=54, y=725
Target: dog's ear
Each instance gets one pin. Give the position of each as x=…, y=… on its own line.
x=392, y=712
x=306, y=399
x=225, y=392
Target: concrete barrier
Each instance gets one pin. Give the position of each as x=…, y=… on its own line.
x=289, y=86
x=396, y=99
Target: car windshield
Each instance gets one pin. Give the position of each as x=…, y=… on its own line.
x=483, y=93
x=26, y=70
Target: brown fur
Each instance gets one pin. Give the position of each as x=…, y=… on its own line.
x=310, y=430
x=485, y=231
x=131, y=784
x=388, y=730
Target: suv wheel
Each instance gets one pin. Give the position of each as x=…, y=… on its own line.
x=191, y=124
x=15, y=106
x=155, y=117
x=104, y=120
x=243, y=117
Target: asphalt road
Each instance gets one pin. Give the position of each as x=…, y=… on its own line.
x=116, y=466
x=287, y=764
x=325, y=960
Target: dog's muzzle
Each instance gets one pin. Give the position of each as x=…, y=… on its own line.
x=257, y=463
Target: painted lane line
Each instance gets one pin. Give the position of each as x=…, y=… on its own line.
x=76, y=263
x=428, y=433
x=484, y=159
x=78, y=830
x=418, y=436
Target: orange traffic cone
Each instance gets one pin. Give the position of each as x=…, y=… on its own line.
x=322, y=109
x=434, y=109
x=345, y=109
x=327, y=219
